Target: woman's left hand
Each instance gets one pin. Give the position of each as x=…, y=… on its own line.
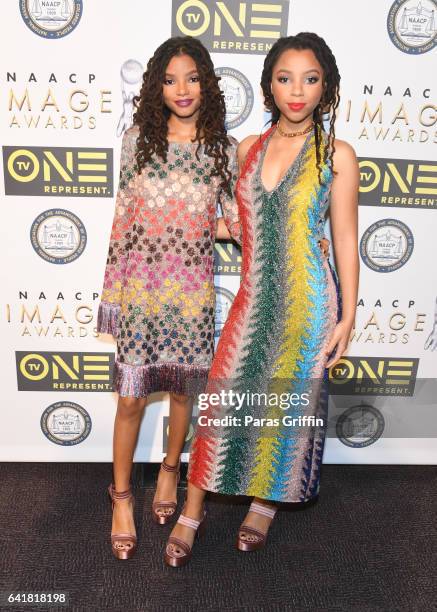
x=324, y=245
x=339, y=339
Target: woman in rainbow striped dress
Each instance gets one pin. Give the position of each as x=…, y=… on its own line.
x=287, y=324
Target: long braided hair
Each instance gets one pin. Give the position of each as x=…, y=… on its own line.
x=152, y=114
x=330, y=98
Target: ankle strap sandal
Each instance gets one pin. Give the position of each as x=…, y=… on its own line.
x=123, y=544
x=178, y=552
x=163, y=511
x=249, y=538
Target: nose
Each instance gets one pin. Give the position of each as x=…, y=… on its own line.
x=296, y=89
x=182, y=88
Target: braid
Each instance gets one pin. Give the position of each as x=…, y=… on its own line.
x=331, y=96
x=152, y=115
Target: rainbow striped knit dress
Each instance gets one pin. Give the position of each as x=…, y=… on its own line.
x=273, y=341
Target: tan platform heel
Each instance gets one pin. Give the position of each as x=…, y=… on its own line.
x=256, y=539
x=123, y=545
x=177, y=551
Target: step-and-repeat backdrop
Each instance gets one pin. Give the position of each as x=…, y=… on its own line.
x=69, y=71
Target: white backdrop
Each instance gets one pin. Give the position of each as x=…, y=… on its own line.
x=65, y=103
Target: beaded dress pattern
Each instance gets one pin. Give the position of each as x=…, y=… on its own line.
x=274, y=339
x=158, y=298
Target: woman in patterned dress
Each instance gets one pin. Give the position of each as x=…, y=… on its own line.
x=158, y=298
x=287, y=324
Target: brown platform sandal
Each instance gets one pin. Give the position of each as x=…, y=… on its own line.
x=123, y=545
x=249, y=538
x=178, y=552
x=168, y=508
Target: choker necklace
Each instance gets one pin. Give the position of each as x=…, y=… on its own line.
x=293, y=134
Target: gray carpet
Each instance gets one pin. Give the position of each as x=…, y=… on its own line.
x=369, y=543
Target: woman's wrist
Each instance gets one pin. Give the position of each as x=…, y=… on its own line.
x=347, y=320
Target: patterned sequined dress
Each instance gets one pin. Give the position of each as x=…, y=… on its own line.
x=158, y=298
x=273, y=340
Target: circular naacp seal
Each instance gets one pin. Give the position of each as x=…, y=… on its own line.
x=238, y=94
x=223, y=303
x=51, y=18
x=386, y=245
x=412, y=25
x=58, y=236
x=360, y=426
x=66, y=423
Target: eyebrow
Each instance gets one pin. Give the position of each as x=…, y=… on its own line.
x=306, y=71
x=187, y=74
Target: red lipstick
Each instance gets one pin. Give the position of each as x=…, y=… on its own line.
x=295, y=106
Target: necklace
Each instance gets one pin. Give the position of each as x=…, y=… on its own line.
x=293, y=134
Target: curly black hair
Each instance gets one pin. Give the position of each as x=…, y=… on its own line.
x=331, y=81
x=152, y=114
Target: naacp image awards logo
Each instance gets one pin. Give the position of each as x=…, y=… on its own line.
x=360, y=426
x=238, y=94
x=58, y=236
x=66, y=423
x=386, y=245
x=412, y=25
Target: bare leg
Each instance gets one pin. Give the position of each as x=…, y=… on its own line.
x=181, y=407
x=126, y=427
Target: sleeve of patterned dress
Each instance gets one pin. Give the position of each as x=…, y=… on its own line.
x=229, y=203
x=109, y=308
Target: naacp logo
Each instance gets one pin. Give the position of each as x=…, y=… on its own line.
x=51, y=18
x=412, y=25
x=58, y=236
x=360, y=426
x=238, y=94
x=223, y=303
x=66, y=423
x=386, y=245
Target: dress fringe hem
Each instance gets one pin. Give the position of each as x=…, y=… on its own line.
x=140, y=381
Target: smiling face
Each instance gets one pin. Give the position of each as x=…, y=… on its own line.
x=181, y=86
x=297, y=84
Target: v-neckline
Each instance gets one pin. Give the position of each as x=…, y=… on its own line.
x=290, y=167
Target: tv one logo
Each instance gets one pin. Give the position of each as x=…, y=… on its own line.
x=227, y=259
x=58, y=171
x=398, y=183
x=65, y=371
x=373, y=376
x=231, y=26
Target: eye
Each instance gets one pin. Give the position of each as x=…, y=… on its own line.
x=168, y=81
x=195, y=79
x=282, y=79
x=312, y=79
